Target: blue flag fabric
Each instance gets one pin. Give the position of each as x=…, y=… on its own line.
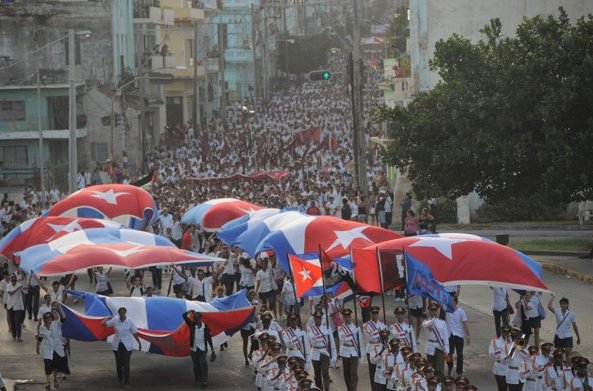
x=420, y=281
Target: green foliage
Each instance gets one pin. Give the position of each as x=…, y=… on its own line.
x=521, y=209
x=511, y=117
x=565, y=244
x=304, y=54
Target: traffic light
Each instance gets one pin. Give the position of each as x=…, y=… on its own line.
x=320, y=76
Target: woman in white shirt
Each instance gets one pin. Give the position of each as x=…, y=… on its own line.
x=50, y=346
x=247, y=273
x=103, y=285
x=265, y=284
x=565, y=319
x=123, y=343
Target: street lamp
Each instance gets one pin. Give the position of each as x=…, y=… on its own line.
x=73, y=153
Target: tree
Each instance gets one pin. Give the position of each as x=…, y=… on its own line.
x=511, y=117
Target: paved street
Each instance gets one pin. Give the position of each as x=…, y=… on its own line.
x=92, y=363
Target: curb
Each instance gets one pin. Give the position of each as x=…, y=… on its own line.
x=577, y=254
x=563, y=270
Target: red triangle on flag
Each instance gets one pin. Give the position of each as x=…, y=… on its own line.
x=305, y=274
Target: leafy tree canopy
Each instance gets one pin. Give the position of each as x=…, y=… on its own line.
x=511, y=117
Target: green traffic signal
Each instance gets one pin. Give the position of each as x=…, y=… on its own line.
x=320, y=75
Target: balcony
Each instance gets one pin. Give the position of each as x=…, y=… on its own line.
x=238, y=55
x=156, y=15
x=212, y=65
x=160, y=62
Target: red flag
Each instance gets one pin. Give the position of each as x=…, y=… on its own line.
x=326, y=261
x=306, y=274
x=366, y=270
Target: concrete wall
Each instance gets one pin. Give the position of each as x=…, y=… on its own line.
x=432, y=20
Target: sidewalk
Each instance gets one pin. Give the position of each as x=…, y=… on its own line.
x=578, y=268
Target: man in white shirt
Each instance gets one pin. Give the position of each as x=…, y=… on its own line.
x=438, y=345
x=15, y=307
x=166, y=219
x=500, y=302
x=458, y=335
x=199, y=339
x=323, y=351
x=402, y=330
x=351, y=348
x=371, y=329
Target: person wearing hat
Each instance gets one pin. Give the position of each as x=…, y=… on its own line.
x=271, y=369
x=553, y=373
x=386, y=362
x=570, y=372
x=498, y=349
x=433, y=384
x=402, y=330
x=371, y=329
x=517, y=362
x=461, y=382
x=276, y=376
x=470, y=387
x=296, y=341
x=540, y=362
x=448, y=383
x=323, y=350
x=265, y=359
x=305, y=384
x=351, y=347
x=438, y=344
x=199, y=340
x=530, y=375
x=582, y=380
x=376, y=357
x=401, y=370
x=565, y=319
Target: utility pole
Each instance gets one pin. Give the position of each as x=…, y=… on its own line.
x=39, y=128
x=196, y=114
x=73, y=154
x=221, y=50
x=360, y=172
x=254, y=52
x=141, y=97
x=265, y=75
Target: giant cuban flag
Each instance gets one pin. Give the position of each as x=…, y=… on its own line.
x=460, y=260
x=230, y=231
x=126, y=204
x=43, y=229
x=158, y=319
x=257, y=231
x=333, y=235
x=213, y=214
x=126, y=248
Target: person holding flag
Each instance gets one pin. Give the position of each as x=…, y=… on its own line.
x=384, y=359
x=323, y=350
x=371, y=329
x=402, y=330
x=437, y=347
x=498, y=349
x=350, y=349
x=296, y=342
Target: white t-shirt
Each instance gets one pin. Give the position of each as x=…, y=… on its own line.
x=123, y=333
x=499, y=296
x=200, y=287
x=533, y=303
x=455, y=322
x=265, y=279
x=14, y=301
x=247, y=276
x=565, y=330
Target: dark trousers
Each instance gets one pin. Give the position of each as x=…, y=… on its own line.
x=501, y=383
x=380, y=387
x=237, y=281
x=515, y=387
x=456, y=345
x=15, y=317
x=350, y=372
x=500, y=316
x=228, y=280
x=32, y=302
x=122, y=363
x=157, y=278
x=200, y=362
x=438, y=363
x=321, y=369
x=372, y=368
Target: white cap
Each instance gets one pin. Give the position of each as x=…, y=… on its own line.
x=263, y=255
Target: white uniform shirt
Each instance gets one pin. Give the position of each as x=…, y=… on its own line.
x=296, y=343
x=201, y=287
x=498, y=350
x=553, y=377
x=371, y=330
x=320, y=339
x=123, y=333
x=455, y=321
x=351, y=344
x=438, y=335
x=415, y=302
x=565, y=329
x=405, y=333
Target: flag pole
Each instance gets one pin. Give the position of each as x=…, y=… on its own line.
x=323, y=285
x=297, y=313
x=381, y=281
x=355, y=295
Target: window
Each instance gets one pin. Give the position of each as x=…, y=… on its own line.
x=76, y=51
x=12, y=110
x=14, y=156
x=99, y=152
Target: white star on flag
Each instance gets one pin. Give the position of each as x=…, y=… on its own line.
x=70, y=227
x=129, y=251
x=109, y=196
x=306, y=274
x=442, y=245
x=345, y=238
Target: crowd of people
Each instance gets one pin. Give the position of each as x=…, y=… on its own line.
x=320, y=332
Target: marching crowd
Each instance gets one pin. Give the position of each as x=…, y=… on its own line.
x=320, y=332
